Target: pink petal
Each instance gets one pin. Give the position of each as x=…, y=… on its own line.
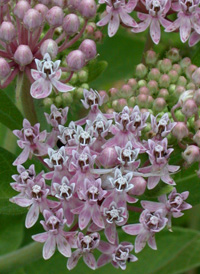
x=61, y=86
x=84, y=217
x=164, y=22
x=22, y=157
x=49, y=247
x=105, y=247
x=127, y=19
x=155, y=31
x=166, y=179
x=194, y=39
x=41, y=237
x=140, y=241
x=132, y=229
x=41, y=88
x=73, y=260
x=142, y=26
x=153, y=181
x=90, y=261
x=142, y=16
x=113, y=24
x=172, y=168
x=63, y=246
x=32, y=215
x=152, y=206
x=104, y=21
x=97, y=218
x=110, y=232
x=69, y=216
x=152, y=242
x=104, y=259
x=185, y=29
x=130, y=5
x=173, y=26
x=185, y=195
x=23, y=202
x=36, y=74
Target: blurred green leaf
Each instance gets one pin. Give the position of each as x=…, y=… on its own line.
x=95, y=69
x=11, y=233
x=10, y=116
x=196, y=56
x=175, y=254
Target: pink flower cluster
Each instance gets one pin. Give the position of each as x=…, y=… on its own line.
x=95, y=175
x=153, y=14
x=24, y=40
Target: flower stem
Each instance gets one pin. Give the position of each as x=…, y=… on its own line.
x=20, y=257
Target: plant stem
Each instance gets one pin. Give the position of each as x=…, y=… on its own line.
x=20, y=257
x=27, y=101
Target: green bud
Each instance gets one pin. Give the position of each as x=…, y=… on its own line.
x=165, y=65
x=67, y=98
x=141, y=71
x=151, y=57
x=185, y=62
x=132, y=102
x=58, y=101
x=82, y=76
x=173, y=75
x=74, y=79
x=172, y=88
x=173, y=55
x=85, y=86
x=142, y=83
x=182, y=81
x=179, y=115
x=154, y=74
x=177, y=68
x=47, y=102
x=78, y=93
x=164, y=81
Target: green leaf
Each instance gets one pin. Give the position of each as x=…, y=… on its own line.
x=177, y=252
x=95, y=69
x=11, y=233
x=196, y=56
x=10, y=116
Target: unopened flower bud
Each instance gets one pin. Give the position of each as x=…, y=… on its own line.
x=163, y=93
x=196, y=138
x=179, y=115
x=121, y=104
x=154, y=74
x=196, y=76
x=79, y=93
x=21, y=8
x=173, y=75
x=164, y=81
x=58, y=101
x=179, y=90
x=197, y=97
x=142, y=83
x=74, y=79
x=190, y=86
x=7, y=32
x=67, y=98
x=32, y=19
x=151, y=57
x=180, y=131
x=172, y=89
x=85, y=86
x=44, y=2
x=76, y=60
x=42, y=9
x=73, y=4
x=132, y=101
x=49, y=46
x=173, y=54
x=71, y=24
x=191, y=154
x=55, y=16
x=23, y=55
x=4, y=68
x=88, y=47
x=165, y=65
x=98, y=36
x=142, y=100
x=141, y=71
x=153, y=86
x=197, y=125
x=139, y=186
x=185, y=62
x=177, y=68
x=60, y=3
x=190, y=70
x=159, y=104
x=144, y=90
x=83, y=76
x=189, y=108
x=126, y=91
x=87, y=8
x=104, y=94
x=110, y=111
x=114, y=92
x=89, y=30
x=133, y=83
x=150, y=101
x=182, y=81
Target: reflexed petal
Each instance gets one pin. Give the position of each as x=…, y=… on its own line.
x=104, y=259
x=90, y=261
x=127, y=19
x=63, y=246
x=185, y=29
x=142, y=26
x=132, y=229
x=129, y=7
x=41, y=89
x=105, y=247
x=110, y=232
x=152, y=206
x=164, y=22
x=155, y=31
x=22, y=157
x=166, y=179
x=173, y=26
x=97, y=218
x=41, y=237
x=113, y=24
x=172, y=168
x=152, y=242
x=73, y=260
x=153, y=181
x=104, y=21
x=23, y=202
x=140, y=241
x=194, y=39
x=84, y=217
x=61, y=86
x=49, y=247
x=32, y=215
x=36, y=74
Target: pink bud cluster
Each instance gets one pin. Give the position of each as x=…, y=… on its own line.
x=153, y=14
x=24, y=39
x=96, y=172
